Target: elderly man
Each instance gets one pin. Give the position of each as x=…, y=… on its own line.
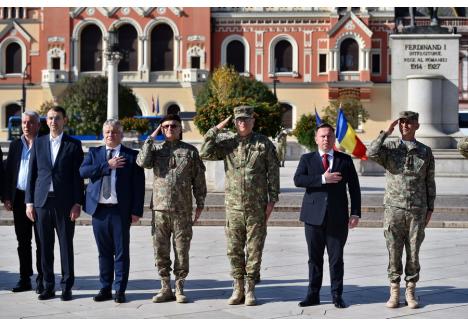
x=114, y=197
x=409, y=201
x=178, y=171
x=252, y=189
x=17, y=167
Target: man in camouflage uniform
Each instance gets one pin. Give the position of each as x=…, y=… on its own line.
x=408, y=201
x=282, y=143
x=252, y=188
x=177, y=170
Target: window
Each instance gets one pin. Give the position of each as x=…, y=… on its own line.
x=10, y=111
x=283, y=56
x=129, y=47
x=91, y=49
x=376, y=63
x=349, y=55
x=56, y=63
x=322, y=63
x=235, y=55
x=162, y=48
x=287, y=116
x=13, y=59
x=195, y=62
x=173, y=109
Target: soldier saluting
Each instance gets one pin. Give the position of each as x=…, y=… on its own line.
x=408, y=201
x=252, y=187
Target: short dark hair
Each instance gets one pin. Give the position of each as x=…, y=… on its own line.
x=325, y=125
x=57, y=108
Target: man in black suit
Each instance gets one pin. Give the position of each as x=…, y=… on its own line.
x=16, y=178
x=54, y=195
x=114, y=197
x=325, y=175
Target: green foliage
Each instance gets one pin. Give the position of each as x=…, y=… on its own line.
x=140, y=125
x=86, y=104
x=305, y=131
x=45, y=107
x=352, y=108
x=225, y=90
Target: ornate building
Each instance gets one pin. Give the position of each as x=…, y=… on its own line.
x=309, y=55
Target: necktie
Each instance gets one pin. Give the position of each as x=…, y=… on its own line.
x=325, y=163
x=106, y=180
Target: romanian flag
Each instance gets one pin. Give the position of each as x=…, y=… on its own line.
x=318, y=121
x=347, y=138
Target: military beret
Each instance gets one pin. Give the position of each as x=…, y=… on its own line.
x=170, y=117
x=410, y=115
x=243, y=111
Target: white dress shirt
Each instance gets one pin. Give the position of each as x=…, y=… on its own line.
x=113, y=197
x=330, y=162
x=54, y=149
x=24, y=166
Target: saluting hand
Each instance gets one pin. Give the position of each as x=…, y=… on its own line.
x=223, y=123
x=391, y=127
x=156, y=132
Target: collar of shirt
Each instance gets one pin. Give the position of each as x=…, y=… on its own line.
x=330, y=153
x=57, y=139
x=25, y=143
x=116, y=149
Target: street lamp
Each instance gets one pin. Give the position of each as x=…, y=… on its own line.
x=275, y=79
x=113, y=57
x=23, y=88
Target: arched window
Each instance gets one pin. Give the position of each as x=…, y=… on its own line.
x=283, y=56
x=235, y=55
x=128, y=45
x=10, y=111
x=91, y=49
x=287, y=116
x=13, y=59
x=162, y=48
x=349, y=55
x=173, y=109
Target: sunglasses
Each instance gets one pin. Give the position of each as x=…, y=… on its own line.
x=172, y=126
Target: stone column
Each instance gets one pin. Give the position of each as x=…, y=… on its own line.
x=113, y=59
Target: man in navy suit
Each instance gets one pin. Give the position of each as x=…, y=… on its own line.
x=54, y=195
x=114, y=197
x=16, y=179
x=325, y=175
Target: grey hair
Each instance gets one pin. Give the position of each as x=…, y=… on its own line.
x=113, y=123
x=32, y=114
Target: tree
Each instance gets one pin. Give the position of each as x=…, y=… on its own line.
x=305, y=131
x=86, y=104
x=352, y=108
x=225, y=90
x=45, y=107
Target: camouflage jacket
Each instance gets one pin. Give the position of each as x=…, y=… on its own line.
x=178, y=170
x=251, y=166
x=410, y=172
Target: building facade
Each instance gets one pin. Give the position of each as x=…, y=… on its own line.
x=308, y=55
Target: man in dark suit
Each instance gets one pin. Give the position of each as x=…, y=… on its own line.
x=325, y=175
x=16, y=178
x=114, y=197
x=53, y=196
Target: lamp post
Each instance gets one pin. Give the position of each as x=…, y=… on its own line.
x=113, y=57
x=23, y=88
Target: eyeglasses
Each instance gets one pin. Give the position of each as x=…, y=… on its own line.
x=172, y=126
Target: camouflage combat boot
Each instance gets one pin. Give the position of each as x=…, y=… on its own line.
x=250, y=299
x=394, y=300
x=165, y=294
x=179, y=291
x=237, y=296
x=410, y=299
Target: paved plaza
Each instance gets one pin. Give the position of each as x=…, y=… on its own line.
x=442, y=291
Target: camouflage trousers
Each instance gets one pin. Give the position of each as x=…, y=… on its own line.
x=404, y=229
x=245, y=232
x=178, y=225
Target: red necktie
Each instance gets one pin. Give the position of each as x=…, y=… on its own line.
x=325, y=161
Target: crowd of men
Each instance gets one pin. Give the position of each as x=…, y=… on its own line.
x=42, y=182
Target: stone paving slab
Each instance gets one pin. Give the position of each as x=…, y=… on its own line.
x=442, y=290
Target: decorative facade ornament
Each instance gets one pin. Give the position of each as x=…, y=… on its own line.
x=90, y=11
x=349, y=26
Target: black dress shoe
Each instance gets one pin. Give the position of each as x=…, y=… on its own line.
x=39, y=288
x=119, y=297
x=66, y=295
x=338, y=302
x=46, y=295
x=310, y=300
x=22, y=286
x=103, y=295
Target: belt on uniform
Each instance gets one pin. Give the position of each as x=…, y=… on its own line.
x=107, y=205
x=51, y=194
